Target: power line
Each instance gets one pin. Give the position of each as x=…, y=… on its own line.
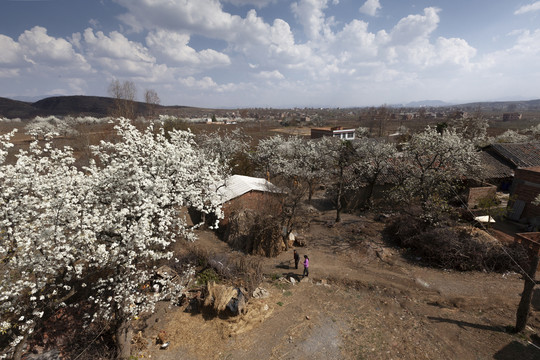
x=486, y=230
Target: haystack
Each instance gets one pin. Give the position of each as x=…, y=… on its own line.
x=221, y=297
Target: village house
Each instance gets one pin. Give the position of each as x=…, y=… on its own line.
x=512, y=116
x=241, y=192
x=499, y=161
x=336, y=131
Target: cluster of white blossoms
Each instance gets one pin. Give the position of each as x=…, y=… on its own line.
x=96, y=232
x=431, y=162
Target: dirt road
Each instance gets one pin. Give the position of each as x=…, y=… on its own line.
x=363, y=300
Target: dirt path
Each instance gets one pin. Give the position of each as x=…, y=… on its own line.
x=363, y=301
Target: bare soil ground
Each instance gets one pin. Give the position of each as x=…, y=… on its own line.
x=364, y=299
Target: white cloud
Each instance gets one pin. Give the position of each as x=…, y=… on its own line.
x=528, y=8
x=257, y=3
x=311, y=15
x=115, y=46
x=203, y=84
x=174, y=46
x=204, y=17
x=38, y=47
x=370, y=7
x=355, y=39
x=453, y=51
x=271, y=75
x=11, y=54
x=415, y=27
x=117, y=54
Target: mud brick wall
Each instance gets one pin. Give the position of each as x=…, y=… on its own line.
x=527, y=188
x=477, y=193
x=262, y=202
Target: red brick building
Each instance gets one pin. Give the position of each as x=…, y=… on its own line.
x=240, y=192
x=525, y=188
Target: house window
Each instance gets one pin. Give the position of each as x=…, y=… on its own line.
x=349, y=136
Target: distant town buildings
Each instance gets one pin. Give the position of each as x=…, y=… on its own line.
x=512, y=116
x=336, y=131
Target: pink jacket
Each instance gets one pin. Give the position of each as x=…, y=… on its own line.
x=306, y=262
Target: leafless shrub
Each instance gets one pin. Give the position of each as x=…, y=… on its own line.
x=451, y=247
x=239, y=269
x=254, y=233
x=250, y=271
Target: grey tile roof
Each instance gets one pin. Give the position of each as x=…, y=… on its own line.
x=519, y=154
x=494, y=168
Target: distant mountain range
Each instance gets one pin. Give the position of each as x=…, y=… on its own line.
x=78, y=105
x=428, y=103
x=504, y=105
x=98, y=106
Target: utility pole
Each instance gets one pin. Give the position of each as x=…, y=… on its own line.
x=531, y=241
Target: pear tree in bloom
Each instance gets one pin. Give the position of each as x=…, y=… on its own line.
x=534, y=132
x=279, y=159
x=472, y=128
x=432, y=163
x=42, y=236
x=374, y=160
x=97, y=232
x=267, y=156
x=510, y=136
x=312, y=169
x=41, y=126
x=293, y=164
x=338, y=157
x=229, y=148
x=292, y=157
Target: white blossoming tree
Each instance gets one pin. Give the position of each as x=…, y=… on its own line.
x=292, y=157
x=97, y=232
x=338, y=157
x=431, y=163
x=229, y=147
x=374, y=160
x=41, y=126
x=294, y=164
x=511, y=136
x=472, y=128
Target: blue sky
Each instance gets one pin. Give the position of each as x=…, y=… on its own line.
x=273, y=53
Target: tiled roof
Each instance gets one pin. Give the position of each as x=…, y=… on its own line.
x=493, y=168
x=519, y=155
x=238, y=185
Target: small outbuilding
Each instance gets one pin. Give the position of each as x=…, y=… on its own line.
x=525, y=189
x=240, y=192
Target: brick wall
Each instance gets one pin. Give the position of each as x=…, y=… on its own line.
x=526, y=188
x=477, y=193
x=255, y=200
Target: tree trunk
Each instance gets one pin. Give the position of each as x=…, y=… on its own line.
x=369, y=194
x=124, y=333
x=310, y=192
x=338, y=204
x=339, y=194
x=19, y=349
x=526, y=296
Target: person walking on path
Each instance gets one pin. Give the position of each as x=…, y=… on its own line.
x=296, y=259
x=306, y=266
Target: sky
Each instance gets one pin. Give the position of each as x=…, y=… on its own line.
x=273, y=53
